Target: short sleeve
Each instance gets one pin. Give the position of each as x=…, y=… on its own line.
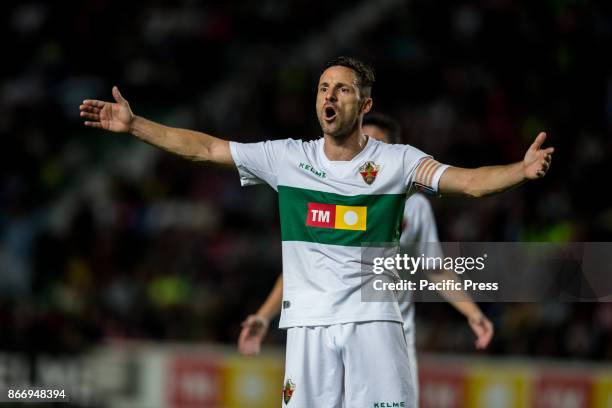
x=259, y=163
x=424, y=172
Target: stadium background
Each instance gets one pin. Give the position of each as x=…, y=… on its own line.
x=111, y=250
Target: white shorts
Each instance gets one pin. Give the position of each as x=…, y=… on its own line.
x=354, y=365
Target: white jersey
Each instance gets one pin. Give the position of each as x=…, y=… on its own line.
x=328, y=209
x=419, y=237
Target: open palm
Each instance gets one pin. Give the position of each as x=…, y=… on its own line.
x=115, y=117
x=537, y=160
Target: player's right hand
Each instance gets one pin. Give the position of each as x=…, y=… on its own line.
x=254, y=329
x=116, y=117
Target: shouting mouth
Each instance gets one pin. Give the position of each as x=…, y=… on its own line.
x=329, y=114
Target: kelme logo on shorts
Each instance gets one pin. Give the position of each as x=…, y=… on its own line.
x=288, y=391
x=342, y=217
x=400, y=404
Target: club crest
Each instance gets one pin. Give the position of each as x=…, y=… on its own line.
x=288, y=391
x=369, y=171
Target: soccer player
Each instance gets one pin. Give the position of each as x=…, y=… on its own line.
x=419, y=237
x=335, y=194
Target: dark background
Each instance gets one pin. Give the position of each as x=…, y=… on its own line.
x=105, y=238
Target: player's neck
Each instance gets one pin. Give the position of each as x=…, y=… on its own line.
x=344, y=149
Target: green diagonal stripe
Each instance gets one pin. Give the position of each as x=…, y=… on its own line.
x=383, y=220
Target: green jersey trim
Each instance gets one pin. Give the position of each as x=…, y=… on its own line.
x=382, y=217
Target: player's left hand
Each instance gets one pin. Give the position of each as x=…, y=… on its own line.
x=254, y=329
x=483, y=329
x=537, y=160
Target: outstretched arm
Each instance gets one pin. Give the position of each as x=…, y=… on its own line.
x=255, y=327
x=489, y=180
x=118, y=117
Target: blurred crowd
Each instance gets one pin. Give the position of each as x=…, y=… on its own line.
x=105, y=238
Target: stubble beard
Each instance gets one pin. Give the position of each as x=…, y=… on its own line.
x=342, y=132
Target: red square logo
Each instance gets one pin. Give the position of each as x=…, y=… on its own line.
x=321, y=215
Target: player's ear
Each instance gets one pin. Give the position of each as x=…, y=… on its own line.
x=366, y=105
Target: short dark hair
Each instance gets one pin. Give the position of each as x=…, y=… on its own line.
x=387, y=124
x=365, y=73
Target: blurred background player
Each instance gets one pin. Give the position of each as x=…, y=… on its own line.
x=419, y=236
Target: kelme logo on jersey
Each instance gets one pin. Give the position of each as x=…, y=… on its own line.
x=288, y=390
x=308, y=167
x=342, y=217
x=369, y=171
